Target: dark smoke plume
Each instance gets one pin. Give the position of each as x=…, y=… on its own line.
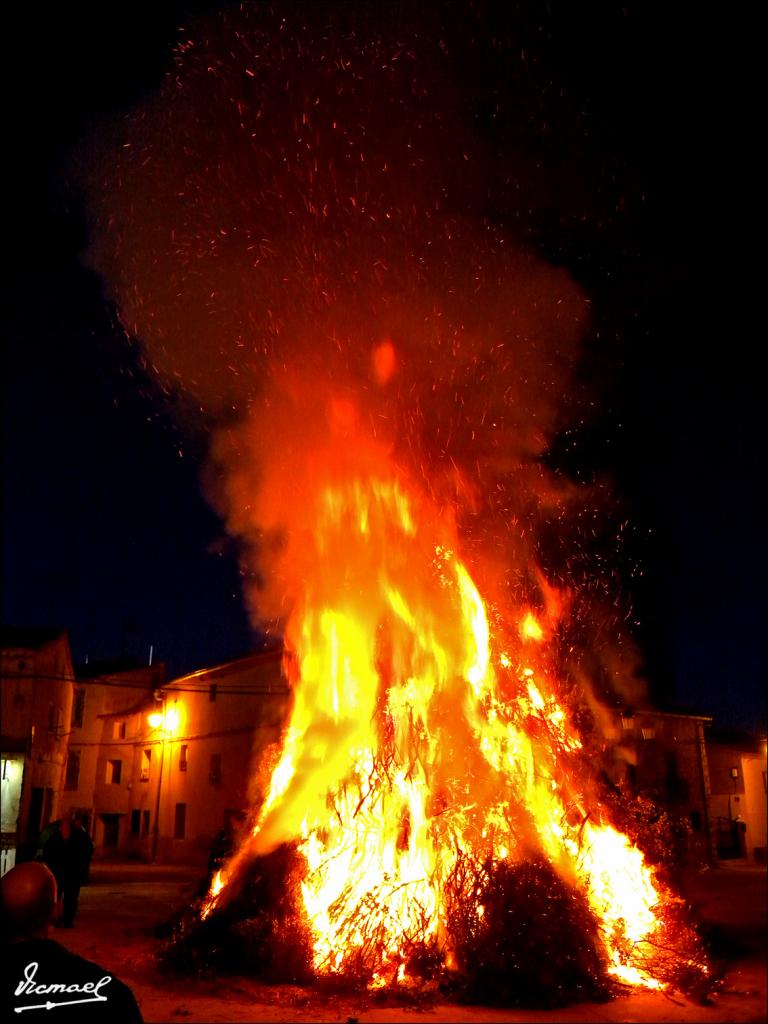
x=294, y=229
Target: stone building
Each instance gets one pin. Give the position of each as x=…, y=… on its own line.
x=215, y=728
x=737, y=767
x=36, y=684
x=110, y=701
x=158, y=769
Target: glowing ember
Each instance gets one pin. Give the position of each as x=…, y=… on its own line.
x=413, y=741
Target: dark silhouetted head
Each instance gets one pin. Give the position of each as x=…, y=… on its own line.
x=28, y=896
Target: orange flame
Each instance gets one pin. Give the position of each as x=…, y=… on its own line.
x=530, y=628
x=413, y=739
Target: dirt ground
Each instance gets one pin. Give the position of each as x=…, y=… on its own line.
x=121, y=908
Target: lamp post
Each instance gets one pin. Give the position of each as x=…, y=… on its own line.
x=158, y=718
x=167, y=720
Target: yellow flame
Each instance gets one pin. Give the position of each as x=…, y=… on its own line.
x=217, y=884
x=401, y=752
x=530, y=628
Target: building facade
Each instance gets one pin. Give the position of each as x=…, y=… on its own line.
x=110, y=700
x=217, y=727
x=739, y=781
x=158, y=769
x=36, y=685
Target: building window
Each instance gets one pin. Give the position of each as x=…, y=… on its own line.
x=114, y=772
x=180, y=821
x=145, y=823
x=183, y=757
x=215, y=771
x=78, y=707
x=54, y=720
x=212, y=691
x=72, y=775
x=119, y=731
x=146, y=760
x=135, y=822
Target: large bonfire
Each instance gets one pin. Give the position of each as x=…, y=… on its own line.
x=428, y=746
x=296, y=229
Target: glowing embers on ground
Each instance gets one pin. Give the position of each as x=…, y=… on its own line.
x=414, y=748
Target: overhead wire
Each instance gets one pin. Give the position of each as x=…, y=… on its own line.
x=166, y=687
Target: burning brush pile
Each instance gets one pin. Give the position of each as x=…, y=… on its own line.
x=432, y=811
x=296, y=229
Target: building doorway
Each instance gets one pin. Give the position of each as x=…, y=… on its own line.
x=110, y=835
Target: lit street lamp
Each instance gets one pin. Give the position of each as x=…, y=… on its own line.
x=166, y=721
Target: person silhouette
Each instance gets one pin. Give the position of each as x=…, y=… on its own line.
x=67, y=852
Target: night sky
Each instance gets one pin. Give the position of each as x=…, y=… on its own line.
x=631, y=126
